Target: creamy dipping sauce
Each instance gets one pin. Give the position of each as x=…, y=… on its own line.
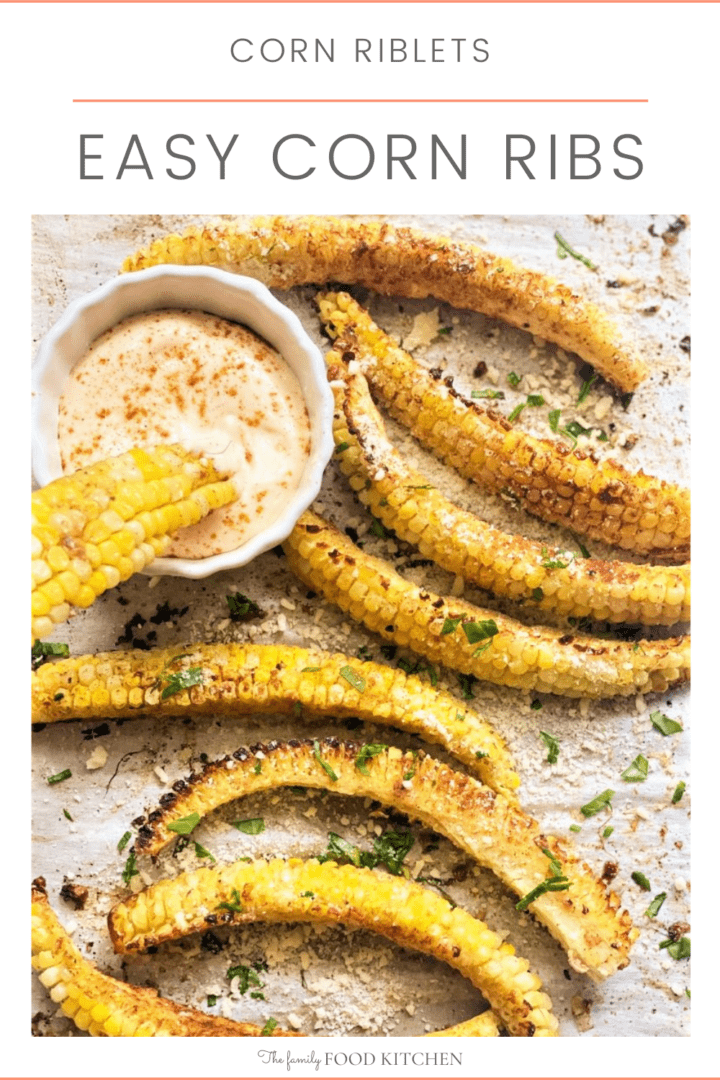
x=211, y=385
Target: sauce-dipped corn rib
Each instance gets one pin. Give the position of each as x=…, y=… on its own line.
x=96, y=527
x=506, y=565
x=552, y=481
x=104, y=1006
x=237, y=680
x=283, y=252
x=583, y=917
x=472, y=640
x=297, y=891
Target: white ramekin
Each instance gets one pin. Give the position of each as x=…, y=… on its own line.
x=240, y=299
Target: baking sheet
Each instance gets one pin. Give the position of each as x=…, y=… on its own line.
x=320, y=979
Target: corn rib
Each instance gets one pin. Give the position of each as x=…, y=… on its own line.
x=506, y=565
x=560, y=485
x=96, y=527
x=283, y=252
x=104, y=1006
x=293, y=890
x=585, y=919
x=237, y=680
x=446, y=631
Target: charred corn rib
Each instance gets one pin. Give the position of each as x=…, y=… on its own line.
x=291, y=891
x=584, y=918
x=102, y=1005
x=553, y=482
x=404, y=501
x=283, y=252
x=473, y=640
x=94, y=528
x=237, y=680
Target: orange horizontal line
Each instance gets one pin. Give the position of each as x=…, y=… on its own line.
x=356, y=101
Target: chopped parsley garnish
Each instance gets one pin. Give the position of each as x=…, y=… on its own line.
x=124, y=841
x=411, y=771
x=640, y=879
x=250, y=826
x=554, y=563
x=68, y=815
x=181, y=680
x=184, y=825
x=234, y=904
x=437, y=883
x=257, y=767
x=130, y=868
x=269, y=1026
x=309, y=669
x=389, y=849
x=59, y=777
x=356, y=681
x=514, y=379
x=211, y=1000
x=480, y=754
x=608, y=831
x=679, y=950
x=664, y=724
x=416, y=668
x=246, y=977
x=564, y=249
x=552, y=746
x=328, y=768
x=341, y=447
x=466, y=685
x=203, y=853
x=369, y=750
x=583, y=550
x=492, y=394
x=586, y=387
x=41, y=650
x=480, y=631
x=574, y=429
x=242, y=608
x=535, y=400
x=554, y=419
x=636, y=772
x=597, y=804
x=516, y=412
x=575, y=828
x=378, y=529
x=445, y=330
x=538, y=594
x=678, y=792
x=536, y=704
x=309, y=894
x=655, y=905
x=556, y=882
x=451, y=625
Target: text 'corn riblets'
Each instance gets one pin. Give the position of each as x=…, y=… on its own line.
x=238, y=679
x=394, y=907
x=104, y=1006
x=96, y=527
x=473, y=640
x=506, y=565
x=584, y=918
x=558, y=484
x=396, y=261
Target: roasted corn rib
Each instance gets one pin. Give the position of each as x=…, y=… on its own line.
x=94, y=528
x=292, y=891
x=459, y=635
x=283, y=252
x=584, y=918
x=558, y=484
x=102, y=1005
x=237, y=680
x=506, y=565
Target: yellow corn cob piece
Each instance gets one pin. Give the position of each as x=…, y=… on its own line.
x=460, y=542
x=446, y=630
x=238, y=680
x=297, y=891
x=482, y=1026
x=568, y=487
x=104, y=1006
x=96, y=527
x=283, y=252
x=585, y=918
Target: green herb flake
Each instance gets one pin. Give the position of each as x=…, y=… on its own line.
x=554, y=563
x=246, y=977
x=466, y=683
x=257, y=767
x=608, y=831
x=451, y=625
x=389, y=849
x=242, y=608
x=564, y=249
x=575, y=828
x=211, y=1000
x=59, y=777
x=515, y=413
x=269, y=1026
x=583, y=550
x=655, y=905
x=369, y=750
x=535, y=400
x=203, y=853
x=303, y=670
x=556, y=882
x=309, y=894
x=480, y=754
x=124, y=841
x=341, y=447
x=185, y=825
x=234, y=904
x=678, y=792
x=640, y=879
x=586, y=387
x=494, y=395
x=538, y=594
x=637, y=771
x=328, y=768
x=130, y=868
x=514, y=379
x=257, y=995
x=664, y=724
x=554, y=419
x=68, y=815
x=181, y=680
x=43, y=650
x=679, y=950
x=378, y=529
x=597, y=804
x=356, y=681
x=553, y=746
x=480, y=631
x=536, y=704
x=250, y=826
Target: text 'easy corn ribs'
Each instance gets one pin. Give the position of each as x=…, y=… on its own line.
x=552, y=481
x=237, y=680
x=584, y=917
x=104, y=1006
x=96, y=527
x=396, y=261
x=472, y=640
x=506, y=565
x=297, y=891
